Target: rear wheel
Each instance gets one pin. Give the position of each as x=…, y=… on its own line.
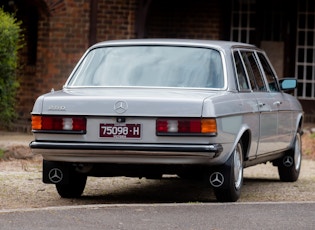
x=290, y=165
x=234, y=175
x=74, y=188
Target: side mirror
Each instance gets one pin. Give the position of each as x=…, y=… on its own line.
x=288, y=84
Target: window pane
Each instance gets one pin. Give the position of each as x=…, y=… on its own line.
x=152, y=66
x=309, y=56
x=253, y=71
x=270, y=76
x=241, y=74
x=301, y=38
x=300, y=90
x=300, y=55
x=309, y=72
x=308, y=90
x=310, y=38
x=300, y=72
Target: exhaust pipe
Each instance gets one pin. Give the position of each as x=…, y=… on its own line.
x=83, y=168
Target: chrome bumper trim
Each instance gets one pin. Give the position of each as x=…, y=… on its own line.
x=126, y=153
x=216, y=148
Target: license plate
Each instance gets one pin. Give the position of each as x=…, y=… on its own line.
x=120, y=131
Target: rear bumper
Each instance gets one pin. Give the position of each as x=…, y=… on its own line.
x=126, y=153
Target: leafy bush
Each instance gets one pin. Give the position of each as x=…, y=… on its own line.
x=10, y=42
x=1, y=153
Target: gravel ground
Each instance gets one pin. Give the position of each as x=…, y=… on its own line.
x=21, y=185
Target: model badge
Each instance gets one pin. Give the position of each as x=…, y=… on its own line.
x=120, y=107
x=57, y=108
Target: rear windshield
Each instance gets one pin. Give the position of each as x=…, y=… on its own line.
x=150, y=66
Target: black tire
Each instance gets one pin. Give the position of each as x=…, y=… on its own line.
x=290, y=165
x=235, y=176
x=74, y=188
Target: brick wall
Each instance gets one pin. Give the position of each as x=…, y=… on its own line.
x=116, y=19
x=198, y=19
x=62, y=38
x=63, y=35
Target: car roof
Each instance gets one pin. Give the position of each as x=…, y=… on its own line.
x=218, y=44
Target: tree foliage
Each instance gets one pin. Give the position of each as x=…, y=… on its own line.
x=10, y=43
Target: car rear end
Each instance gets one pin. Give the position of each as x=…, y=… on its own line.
x=139, y=101
x=160, y=127
x=139, y=109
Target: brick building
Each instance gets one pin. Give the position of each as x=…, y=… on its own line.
x=58, y=32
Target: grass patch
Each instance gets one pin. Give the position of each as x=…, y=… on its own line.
x=1, y=153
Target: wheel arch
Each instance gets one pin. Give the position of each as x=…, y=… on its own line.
x=245, y=137
x=246, y=142
x=299, y=125
x=298, y=128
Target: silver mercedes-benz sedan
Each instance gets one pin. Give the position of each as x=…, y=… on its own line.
x=197, y=109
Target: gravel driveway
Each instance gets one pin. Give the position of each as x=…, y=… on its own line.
x=21, y=185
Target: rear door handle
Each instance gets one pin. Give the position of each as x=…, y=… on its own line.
x=277, y=103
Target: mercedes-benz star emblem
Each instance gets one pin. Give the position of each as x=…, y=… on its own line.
x=216, y=179
x=288, y=161
x=55, y=175
x=120, y=107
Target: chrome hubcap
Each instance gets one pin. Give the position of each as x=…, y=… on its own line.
x=297, y=152
x=238, y=167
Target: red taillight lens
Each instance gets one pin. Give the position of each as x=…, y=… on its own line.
x=57, y=123
x=52, y=123
x=189, y=126
x=186, y=126
x=161, y=126
x=79, y=124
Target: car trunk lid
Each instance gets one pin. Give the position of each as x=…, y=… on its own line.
x=125, y=102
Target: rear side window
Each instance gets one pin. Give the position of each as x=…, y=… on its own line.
x=240, y=73
x=254, y=74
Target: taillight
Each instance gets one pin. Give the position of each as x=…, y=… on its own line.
x=58, y=124
x=195, y=126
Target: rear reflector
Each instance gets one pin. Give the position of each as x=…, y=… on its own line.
x=58, y=123
x=180, y=126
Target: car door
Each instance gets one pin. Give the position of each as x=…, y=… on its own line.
x=266, y=106
x=248, y=102
x=280, y=102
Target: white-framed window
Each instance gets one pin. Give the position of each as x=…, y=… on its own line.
x=305, y=50
x=242, y=21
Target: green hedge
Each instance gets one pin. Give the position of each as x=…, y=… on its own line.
x=10, y=42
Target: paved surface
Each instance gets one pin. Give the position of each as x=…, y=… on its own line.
x=242, y=216
x=168, y=215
